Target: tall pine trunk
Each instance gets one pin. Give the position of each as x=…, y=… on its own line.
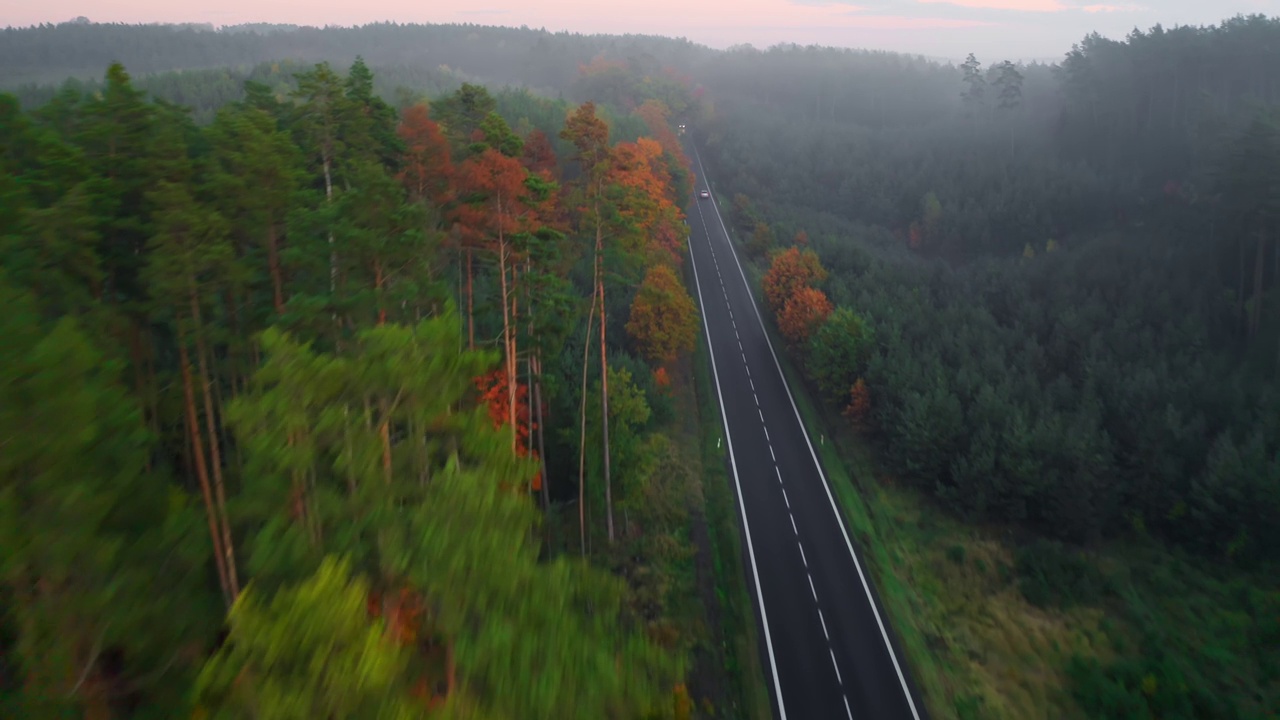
x=582, y=433
x=604, y=381
x=333, y=250
x=542, y=447
x=197, y=449
x=508, y=336
x=215, y=455
x=273, y=266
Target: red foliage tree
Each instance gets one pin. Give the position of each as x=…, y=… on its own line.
x=859, y=409
x=915, y=236
x=803, y=313
x=641, y=168
x=791, y=270
x=494, y=393
x=539, y=157
x=496, y=208
x=427, y=172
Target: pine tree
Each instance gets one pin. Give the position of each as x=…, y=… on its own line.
x=87, y=534
x=590, y=135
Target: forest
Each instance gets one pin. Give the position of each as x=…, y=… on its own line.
x=408, y=55
x=304, y=408
x=1049, y=298
x=332, y=343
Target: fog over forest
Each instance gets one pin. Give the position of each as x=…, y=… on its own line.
x=275, y=333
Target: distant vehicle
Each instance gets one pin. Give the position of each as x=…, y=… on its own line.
x=704, y=194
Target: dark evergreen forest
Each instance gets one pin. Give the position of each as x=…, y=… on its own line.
x=328, y=408
x=1049, y=295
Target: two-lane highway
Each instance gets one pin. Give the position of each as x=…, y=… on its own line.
x=827, y=649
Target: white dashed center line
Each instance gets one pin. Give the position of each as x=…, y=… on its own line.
x=794, y=528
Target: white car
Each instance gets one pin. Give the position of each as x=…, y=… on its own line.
x=704, y=194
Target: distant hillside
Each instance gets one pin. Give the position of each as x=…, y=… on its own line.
x=522, y=57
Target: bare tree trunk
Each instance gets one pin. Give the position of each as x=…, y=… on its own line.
x=542, y=447
x=273, y=266
x=202, y=473
x=582, y=434
x=508, y=337
x=604, y=384
x=215, y=456
x=333, y=251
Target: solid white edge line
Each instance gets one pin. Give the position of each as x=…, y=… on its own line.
x=742, y=507
x=866, y=588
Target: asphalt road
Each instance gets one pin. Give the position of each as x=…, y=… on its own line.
x=827, y=650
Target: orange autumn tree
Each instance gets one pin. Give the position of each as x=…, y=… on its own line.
x=494, y=394
x=803, y=313
x=493, y=212
x=663, y=320
x=640, y=168
x=539, y=157
x=427, y=170
x=791, y=270
x=657, y=118
x=859, y=409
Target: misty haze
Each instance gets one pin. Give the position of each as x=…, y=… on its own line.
x=793, y=359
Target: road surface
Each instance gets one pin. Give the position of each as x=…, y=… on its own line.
x=826, y=648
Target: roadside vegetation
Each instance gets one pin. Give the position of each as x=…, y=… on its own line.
x=1036, y=310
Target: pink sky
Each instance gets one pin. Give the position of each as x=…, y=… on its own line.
x=1019, y=28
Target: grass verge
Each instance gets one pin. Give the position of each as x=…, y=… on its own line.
x=737, y=634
